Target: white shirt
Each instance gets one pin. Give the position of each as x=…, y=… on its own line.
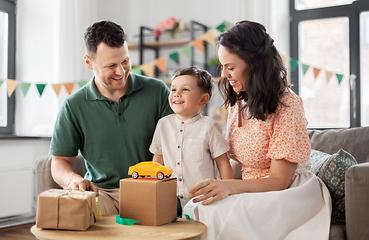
x=189, y=147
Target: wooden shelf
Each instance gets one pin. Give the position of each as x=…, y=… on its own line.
x=161, y=43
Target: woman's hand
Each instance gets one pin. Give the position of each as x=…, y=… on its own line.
x=210, y=191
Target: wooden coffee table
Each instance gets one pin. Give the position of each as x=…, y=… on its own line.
x=109, y=229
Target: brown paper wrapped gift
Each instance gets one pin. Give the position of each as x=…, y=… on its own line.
x=151, y=201
x=66, y=209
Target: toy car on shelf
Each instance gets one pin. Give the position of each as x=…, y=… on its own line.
x=148, y=168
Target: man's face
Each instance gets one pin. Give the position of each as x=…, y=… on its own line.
x=111, y=67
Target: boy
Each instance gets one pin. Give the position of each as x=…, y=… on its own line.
x=187, y=141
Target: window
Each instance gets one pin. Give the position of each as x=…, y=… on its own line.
x=7, y=64
x=364, y=62
x=306, y=4
x=331, y=46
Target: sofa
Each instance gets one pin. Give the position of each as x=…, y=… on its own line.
x=353, y=141
x=356, y=180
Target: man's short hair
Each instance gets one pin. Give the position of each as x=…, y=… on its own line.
x=107, y=32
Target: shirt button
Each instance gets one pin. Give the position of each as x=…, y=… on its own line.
x=180, y=179
x=181, y=197
x=178, y=163
x=182, y=122
x=181, y=130
x=119, y=114
x=179, y=147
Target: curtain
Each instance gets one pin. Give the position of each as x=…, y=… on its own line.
x=50, y=51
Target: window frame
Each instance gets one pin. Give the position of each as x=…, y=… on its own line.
x=352, y=12
x=9, y=6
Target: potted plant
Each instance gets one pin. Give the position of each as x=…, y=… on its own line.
x=214, y=66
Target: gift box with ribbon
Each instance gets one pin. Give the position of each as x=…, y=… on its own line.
x=66, y=209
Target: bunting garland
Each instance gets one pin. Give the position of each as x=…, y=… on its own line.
x=316, y=72
x=57, y=88
x=293, y=64
x=198, y=44
x=161, y=63
x=69, y=87
x=186, y=50
x=136, y=70
x=25, y=87
x=148, y=69
x=40, y=88
x=175, y=57
x=11, y=85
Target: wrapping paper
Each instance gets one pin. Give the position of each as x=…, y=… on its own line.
x=66, y=210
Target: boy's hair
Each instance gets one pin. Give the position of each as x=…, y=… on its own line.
x=204, y=78
x=107, y=32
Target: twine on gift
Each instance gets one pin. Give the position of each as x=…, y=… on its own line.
x=69, y=193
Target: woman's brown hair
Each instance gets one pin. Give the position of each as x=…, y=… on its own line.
x=267, y=78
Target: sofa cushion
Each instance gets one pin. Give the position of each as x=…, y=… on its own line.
x=350, y=139
x=331, y=169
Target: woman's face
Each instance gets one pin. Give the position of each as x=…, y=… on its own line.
x=234, y=69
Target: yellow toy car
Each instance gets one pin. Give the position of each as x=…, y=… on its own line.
x=148, y=168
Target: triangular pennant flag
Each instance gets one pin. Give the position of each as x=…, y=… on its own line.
x=316, y=72
x=339, y=78
x=223, y=26
x=209, y=37
x=227, y=25
x=305, y=68
x=198, y=43
x=220, y=27
x=186, y=49
x=69, y=87
x=25, y=87
x=148, y=69
x=136, y=70
x=328, y=75
x=40, y=88
x=174, y=56
x=81, y=83
x=11, y=85
x=293, y=64
x=57, y=88
x=161, y=64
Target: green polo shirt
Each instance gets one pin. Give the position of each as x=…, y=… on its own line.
x=111, y=137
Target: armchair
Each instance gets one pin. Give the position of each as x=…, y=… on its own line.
x=44, y=180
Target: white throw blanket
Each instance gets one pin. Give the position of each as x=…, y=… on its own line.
x=303, y=211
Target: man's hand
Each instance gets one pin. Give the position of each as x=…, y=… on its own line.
x=83, y=185
x=63, y=174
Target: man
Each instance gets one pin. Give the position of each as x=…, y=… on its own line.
x=111, y=120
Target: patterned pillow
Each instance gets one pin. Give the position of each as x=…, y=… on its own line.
x=317, y=159
x=331, y=169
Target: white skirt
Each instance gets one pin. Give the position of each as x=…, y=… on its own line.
x=303, y=211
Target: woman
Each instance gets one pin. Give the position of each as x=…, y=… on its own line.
x=277, y=198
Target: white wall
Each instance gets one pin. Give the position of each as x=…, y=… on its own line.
x=50, y=41
x=273, y=14
x=50, y=50
x=17, y=160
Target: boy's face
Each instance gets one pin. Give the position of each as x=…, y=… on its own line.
x=186, y=98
